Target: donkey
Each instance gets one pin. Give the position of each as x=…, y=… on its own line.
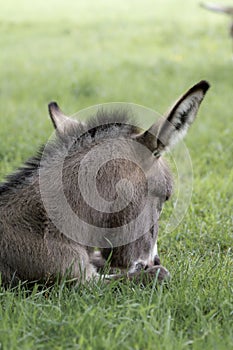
x=41, y=240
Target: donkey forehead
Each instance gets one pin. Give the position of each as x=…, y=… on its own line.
x=123, y=151
x=123, y=159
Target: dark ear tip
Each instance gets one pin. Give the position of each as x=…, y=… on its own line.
x=203, y=85
x=52, y=106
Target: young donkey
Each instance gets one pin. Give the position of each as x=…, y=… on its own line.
x=39, y=238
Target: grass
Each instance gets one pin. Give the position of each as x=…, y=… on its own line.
x=86, y=53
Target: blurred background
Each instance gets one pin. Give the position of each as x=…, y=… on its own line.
x=149, y=52
x=81, y=53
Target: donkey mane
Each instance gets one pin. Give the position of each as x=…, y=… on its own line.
x=104, y=125
x=19, y=178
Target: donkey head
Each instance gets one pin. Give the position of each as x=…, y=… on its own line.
x=127, y=188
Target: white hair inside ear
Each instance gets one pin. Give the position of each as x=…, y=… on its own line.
x=170, y=129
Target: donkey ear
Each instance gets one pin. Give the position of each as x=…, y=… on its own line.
x=60, y=121
x=170, y=129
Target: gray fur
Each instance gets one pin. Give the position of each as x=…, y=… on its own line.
x=31, y=246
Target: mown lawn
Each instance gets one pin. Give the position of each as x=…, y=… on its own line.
x=146, y=52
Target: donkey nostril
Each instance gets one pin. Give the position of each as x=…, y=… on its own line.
x=156, y=261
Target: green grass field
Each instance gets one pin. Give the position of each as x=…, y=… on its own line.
x=147, y=52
